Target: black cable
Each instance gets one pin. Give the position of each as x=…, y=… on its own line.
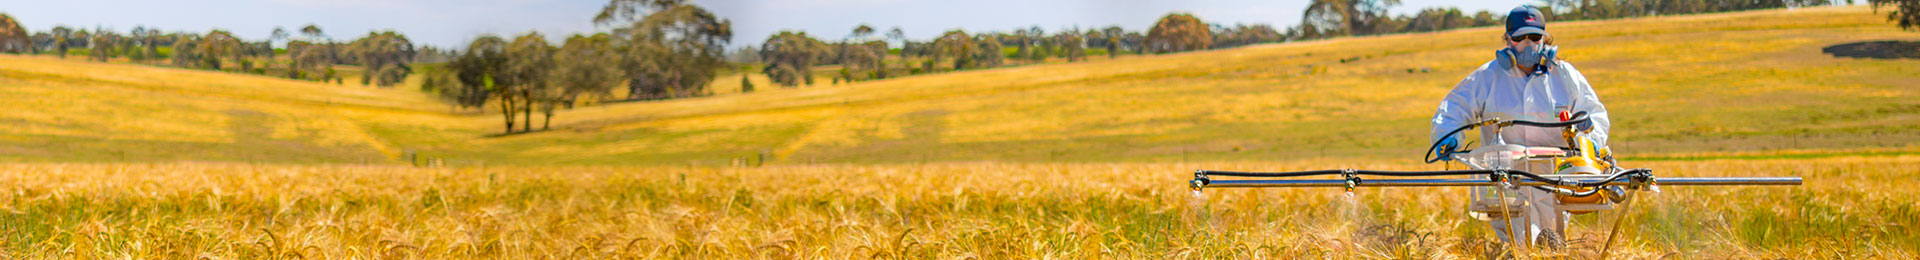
x=1436, y=143
x=1576, y=118
x=1633, y=173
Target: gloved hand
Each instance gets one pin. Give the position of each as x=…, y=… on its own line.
x=1581, y=127
x=1445, y=150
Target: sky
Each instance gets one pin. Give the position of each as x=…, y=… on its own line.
x=452, y=23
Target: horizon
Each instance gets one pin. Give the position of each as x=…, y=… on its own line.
x=451, y=24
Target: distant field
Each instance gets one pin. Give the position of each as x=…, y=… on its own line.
x=1851, y=208
x=1736, y=85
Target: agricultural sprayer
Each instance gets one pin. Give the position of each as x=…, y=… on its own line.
x=1523, y=192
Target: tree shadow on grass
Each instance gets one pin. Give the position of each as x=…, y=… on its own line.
x=1876, y=50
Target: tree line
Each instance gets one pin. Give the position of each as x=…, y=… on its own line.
x=385, y=56
x=1335, y=18
x=788, y=57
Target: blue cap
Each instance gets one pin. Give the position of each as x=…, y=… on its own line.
x=1525, y=20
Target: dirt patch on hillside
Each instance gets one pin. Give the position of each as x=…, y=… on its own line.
x=1876, y=50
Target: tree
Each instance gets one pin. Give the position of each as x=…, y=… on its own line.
x=312, y=32
x=40, y=41
x=1114, y=36
x=1906, y=13
x=146, y=39
x=279, y=34
x=898, y=35
x=103, y=45
x=1135, y=41
x=386, y=56
x=186, y=50
x=1179, y=32
x=80, y=38
x=1032, y=44
x=789, y=57
x=13, y=37
x=215, y=46
x=1071, y=45
x=483, y=70
x=529, y=61
x=860, y=33
x=987, y=52
x=672, y=49
x=870, y=59
x=309, y=61
x=956, y=45
x=863, y=55
x=584, y=66
x=61, y=38
x=456, y=82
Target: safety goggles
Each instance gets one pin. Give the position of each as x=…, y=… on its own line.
x=1533, y=37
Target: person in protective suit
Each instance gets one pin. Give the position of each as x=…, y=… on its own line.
x=1525, y=81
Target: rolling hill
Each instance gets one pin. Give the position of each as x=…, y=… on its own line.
x=1748, y=84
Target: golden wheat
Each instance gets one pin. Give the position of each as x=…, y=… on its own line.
x=1850, y=208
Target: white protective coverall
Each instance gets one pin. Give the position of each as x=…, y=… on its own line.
x=1499, y=90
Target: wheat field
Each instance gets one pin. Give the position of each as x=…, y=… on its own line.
x=1849, y=208
x=1084, y=160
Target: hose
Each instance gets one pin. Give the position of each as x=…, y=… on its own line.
x=1576, y=118
x=1636, y=174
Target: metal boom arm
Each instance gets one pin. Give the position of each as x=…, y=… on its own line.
x=1352, y=178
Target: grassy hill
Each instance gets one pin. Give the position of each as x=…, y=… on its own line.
x=80, y=111
x=136, y=162
x=1689, y=86
x=1737, y=84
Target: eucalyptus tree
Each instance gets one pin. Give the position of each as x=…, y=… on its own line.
x=61, y=36
x=956, y=45
x=671, y=48
x=482, y=72
x=584, y=66
x=216, y=46
x=386, y=57
x=789, y=57
x=13, y=37
x=529, y=62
